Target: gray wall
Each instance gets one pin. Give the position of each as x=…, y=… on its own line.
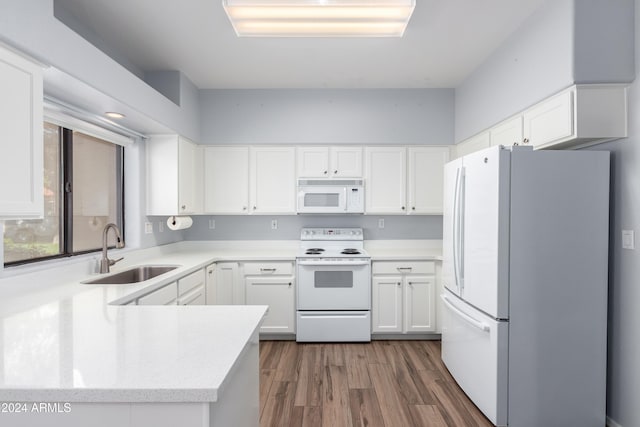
x=566, y=42
x=258, y=227
x=624, y=265
x=365, y=116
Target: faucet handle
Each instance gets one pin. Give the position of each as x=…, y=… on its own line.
x=113, y=261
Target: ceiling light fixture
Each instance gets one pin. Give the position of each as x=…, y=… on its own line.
x=319, y=18
x=114, y=115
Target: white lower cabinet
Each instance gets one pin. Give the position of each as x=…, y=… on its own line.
x=403, y=299
x=191, y=289
x=272, y=284
x=228, y=288
x=166, y=295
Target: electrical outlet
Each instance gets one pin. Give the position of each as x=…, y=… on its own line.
x=212, y=224
x=381, y=223
x=274, y=224
x=628, y=239
x=161, y=226
x=148, y=228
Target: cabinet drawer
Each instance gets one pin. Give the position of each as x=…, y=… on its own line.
x=400, y=267
x=270, y=268
x=196, y=296
x=163, y=296
x=191, y=281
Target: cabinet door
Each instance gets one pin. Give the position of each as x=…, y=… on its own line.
x=475, y=143
x=550, y=120
x=385, y=185
x=426, y=179
x=196, y=296
x=164, y=296
x=227, y=292
x=273, y=184
x=507, y=133
x=188, y=182
x=386, y=310
x=21, y=162
x=211, y=285
x=277, y=293
x=419, y=304
x=226, y=180
x=346, y=162
x=313, y=162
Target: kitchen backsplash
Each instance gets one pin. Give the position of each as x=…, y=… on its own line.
x=256, y=227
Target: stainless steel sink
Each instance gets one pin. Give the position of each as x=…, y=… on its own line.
x=133, y=275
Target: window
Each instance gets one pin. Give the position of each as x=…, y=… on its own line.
x=83, y=191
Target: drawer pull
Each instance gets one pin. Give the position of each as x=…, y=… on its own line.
x=405, y=268
x=267, y=270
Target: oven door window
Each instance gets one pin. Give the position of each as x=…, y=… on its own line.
x=322, y=200
x=333, y=279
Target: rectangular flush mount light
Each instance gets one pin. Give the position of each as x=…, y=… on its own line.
x=319, y=18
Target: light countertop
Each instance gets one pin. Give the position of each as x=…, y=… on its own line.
x=66, y=341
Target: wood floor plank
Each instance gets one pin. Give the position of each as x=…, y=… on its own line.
x=426, y=416
x=312, y=416
x=356, y=362
x=288, y=365
x=451, y=406
x=279, y=406
x=309, y=386
x=392, y=405
x=365, y=409
x=335, y=403
x=266, y=381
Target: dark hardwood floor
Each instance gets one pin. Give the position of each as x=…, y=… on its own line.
x=378, y=384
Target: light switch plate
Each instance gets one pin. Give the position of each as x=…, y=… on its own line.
x=212, y=224
x=148, y=228
x=628, y=239
x=161, y=226
x=381, y=223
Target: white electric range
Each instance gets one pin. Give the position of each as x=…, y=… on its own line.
x=333, y=286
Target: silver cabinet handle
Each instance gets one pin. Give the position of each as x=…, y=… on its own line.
x=405, y=268
x=267, y=270
x=325, y=172
x=399, y=283
x=403, y=208
x=254, y=208
x=244, y=208
x=335, y=171
x=413, y=208
x=183, y=207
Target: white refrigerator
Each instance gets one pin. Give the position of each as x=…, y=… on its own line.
x=525, y=272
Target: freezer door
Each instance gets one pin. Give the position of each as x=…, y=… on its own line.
x=474, y=349
x=451, y=216
x=485, y=231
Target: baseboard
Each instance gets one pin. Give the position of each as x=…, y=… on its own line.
x=612, y=423
x=406, y=337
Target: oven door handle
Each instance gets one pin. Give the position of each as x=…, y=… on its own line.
x=325, y=263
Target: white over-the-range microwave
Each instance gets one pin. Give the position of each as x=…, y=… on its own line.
x=330, y=196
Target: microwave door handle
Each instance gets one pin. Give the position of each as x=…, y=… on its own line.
x=344, y=198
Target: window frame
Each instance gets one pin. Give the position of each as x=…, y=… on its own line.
x=65, y=213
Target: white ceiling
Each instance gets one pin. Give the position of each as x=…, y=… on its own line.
x=444, y=42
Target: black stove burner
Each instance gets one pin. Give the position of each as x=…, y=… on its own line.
x=350, y=251
x=314, y=251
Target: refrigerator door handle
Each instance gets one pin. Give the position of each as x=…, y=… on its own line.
x=461, y=214
x=456, y=229
x=464, y=316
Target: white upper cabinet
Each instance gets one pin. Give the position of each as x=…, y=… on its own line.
x=507, y=133
x=272, y=182
x=329, y=162
x=174, y=176
x=21, y=162
x=425, y=179
x=226, y=180
x=550, y=120
x=393, y=188
x=386, y=180
x=475, y=143
x=579, y=116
